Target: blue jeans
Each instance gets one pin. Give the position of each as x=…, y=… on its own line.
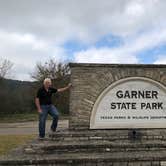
x=47, y=109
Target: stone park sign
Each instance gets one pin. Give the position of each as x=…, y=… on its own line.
x=108, y=96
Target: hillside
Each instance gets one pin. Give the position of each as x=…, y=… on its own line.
x=18, y=96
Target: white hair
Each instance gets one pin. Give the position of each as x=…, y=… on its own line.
x=46, y=80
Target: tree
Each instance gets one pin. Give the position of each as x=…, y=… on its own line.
x=60, y=75
x=50, y=69
x=5, y=67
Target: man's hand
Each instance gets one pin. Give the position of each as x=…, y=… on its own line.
x=37, y=102
x=69, y=85
x=65, y=88
x=39, y=110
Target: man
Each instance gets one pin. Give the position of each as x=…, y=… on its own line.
x=44, y=106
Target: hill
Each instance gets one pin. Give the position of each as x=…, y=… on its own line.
x=18, y=96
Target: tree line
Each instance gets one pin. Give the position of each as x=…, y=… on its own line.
x=18, y=96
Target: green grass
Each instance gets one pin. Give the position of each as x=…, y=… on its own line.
x=13, y=118
x=9, y=142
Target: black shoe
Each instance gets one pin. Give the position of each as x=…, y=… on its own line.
x=53, y=130
x=41, y=138
x=56, y=130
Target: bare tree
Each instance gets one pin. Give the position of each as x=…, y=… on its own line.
x=60, y=75
x=5, y=67
x=50, y=69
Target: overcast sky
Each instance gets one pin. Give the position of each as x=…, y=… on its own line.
x=96, y=31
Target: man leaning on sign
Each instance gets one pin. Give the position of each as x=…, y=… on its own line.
x=44, y=105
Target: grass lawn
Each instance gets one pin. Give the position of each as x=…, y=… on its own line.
x=9, y=142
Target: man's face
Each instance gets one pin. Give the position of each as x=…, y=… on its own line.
x=48, y=84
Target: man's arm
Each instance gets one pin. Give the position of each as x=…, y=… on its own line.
x=65, y=88
x=37, y=102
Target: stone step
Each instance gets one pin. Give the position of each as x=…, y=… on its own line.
x=147, y=158
x=92, y=147
x=47, y=147
x=106, y=135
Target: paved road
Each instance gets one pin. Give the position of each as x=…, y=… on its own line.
x=27, y=127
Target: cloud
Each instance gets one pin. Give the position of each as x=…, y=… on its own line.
x=32, y=31
x=25, y=50
x=104, y=55
x=126, y=53
x=161, y=59
x=83, y=19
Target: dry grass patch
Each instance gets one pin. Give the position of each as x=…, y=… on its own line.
x=9, y=142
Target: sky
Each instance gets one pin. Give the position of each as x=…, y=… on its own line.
x=82, y=31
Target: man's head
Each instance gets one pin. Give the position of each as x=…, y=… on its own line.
x=47, y=82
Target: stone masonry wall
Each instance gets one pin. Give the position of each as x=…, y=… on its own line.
x=89, y=80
